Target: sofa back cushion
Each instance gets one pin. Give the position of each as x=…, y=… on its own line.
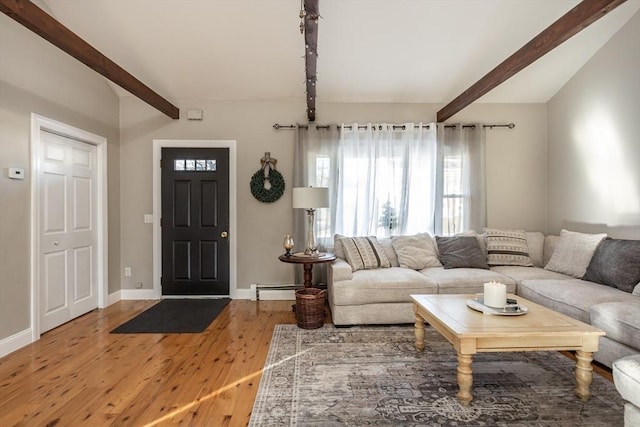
x=387, y=247
x=535, y=242
x=550, y=243
x=416, y=252
x=616, y=263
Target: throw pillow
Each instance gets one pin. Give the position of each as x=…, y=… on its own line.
x=507, y=247
x=616, y=263
x=574, y=252
x=364, y=253
x=415, y=252
x=461, y=252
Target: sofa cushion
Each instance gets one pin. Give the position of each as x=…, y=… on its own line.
x=364, y=253
x=338, y=251
x=519, y=274
x=626, y=377
x=465, y=280
x=535, y=242
x=507, y=247
x=387, y=247
x=573, y=297
x=574, y=252
x=393, y=284
x=620, y=320
x=461, y=252
x=616, y=263
x=550, y=243
x=415, y=252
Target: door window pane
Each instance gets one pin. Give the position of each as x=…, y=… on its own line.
x=199, y=165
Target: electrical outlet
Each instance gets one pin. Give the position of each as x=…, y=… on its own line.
x=127, y=272
x=138, y=285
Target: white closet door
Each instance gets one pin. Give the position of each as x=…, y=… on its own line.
x=67, y=230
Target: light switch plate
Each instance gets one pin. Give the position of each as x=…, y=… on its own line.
x=148, y=219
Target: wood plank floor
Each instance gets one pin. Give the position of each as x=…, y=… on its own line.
x=81, y=375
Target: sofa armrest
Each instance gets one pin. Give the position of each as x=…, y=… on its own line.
x=339, y=270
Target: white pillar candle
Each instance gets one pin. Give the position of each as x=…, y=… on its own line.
x=495, y=294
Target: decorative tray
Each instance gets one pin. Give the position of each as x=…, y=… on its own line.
x=509, y=310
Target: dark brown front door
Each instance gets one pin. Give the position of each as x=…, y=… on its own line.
x=195, y=221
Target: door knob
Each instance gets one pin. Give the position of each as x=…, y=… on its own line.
x=55, y=243
x=224, y=234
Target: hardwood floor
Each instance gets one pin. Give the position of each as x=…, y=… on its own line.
x=81, y=375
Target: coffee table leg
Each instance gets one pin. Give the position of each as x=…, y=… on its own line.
x=419, y=332
x=465, y=378
x=584, y=374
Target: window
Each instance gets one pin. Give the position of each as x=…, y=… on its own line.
x=388, y=180
x=198, y=165
x=452, y=196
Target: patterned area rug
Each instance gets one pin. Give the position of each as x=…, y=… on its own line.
x=374, y=376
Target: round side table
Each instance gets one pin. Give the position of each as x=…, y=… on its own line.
x=307, y=261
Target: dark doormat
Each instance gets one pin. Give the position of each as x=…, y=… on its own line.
x=174, y=316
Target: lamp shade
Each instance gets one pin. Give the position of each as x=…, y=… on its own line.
x=310, y=197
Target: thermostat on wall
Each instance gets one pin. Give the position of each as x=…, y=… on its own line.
x=16, y=173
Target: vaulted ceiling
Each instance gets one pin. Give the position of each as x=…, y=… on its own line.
x=368, y=50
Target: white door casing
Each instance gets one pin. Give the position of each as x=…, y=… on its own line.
x=68, y=223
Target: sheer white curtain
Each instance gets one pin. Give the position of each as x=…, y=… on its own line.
x=461, y=189
x=386, y=184
x=315, y=164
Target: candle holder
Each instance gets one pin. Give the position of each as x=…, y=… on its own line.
x=287, y=244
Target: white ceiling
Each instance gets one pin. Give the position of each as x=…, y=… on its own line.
x=369, y=50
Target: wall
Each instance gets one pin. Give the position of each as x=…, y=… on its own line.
x=519, y=153
x=36, y=77
x=594, y=142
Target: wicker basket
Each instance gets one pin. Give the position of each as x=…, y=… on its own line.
x=310, y=308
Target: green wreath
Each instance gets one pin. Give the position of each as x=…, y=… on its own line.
x=272, y=194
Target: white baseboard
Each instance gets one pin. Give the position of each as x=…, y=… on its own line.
x=245, y=294
x=114, y=297
x=15, y=342
x=136, y=294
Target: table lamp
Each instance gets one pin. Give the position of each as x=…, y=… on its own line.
x=310, y=198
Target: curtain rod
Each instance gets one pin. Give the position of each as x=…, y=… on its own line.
x=278, y=126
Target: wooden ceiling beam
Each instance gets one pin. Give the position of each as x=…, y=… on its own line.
x=43, y=24
x=574, y=21
x=311, y=54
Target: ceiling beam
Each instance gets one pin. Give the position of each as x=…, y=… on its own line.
x=311, y=54
x=574, y=21
x=41, y=23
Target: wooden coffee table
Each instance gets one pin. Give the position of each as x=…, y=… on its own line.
x=471, y=332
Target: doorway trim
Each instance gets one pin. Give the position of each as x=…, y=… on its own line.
x=38, y=124
x=158, y=145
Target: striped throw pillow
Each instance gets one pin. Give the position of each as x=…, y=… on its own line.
x=364, y=253
x=507, y=247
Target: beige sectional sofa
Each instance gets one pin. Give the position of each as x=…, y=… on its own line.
x=382, y=295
